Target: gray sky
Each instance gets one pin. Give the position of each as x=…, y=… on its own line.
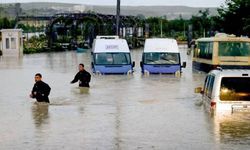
x=193, y=3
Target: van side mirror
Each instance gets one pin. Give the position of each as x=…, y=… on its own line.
x=141, y=64
x=198, y=90
x=184, y=64
x=133, y=64
x=92, y=65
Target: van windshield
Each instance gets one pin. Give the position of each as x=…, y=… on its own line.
x=235, y=89
x=112, y=59
x=161, y=58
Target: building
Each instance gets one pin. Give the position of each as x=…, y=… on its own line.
x=12, y=42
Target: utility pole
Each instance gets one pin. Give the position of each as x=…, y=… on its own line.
x=118, y=6
x=184, y=30
x=161, y=27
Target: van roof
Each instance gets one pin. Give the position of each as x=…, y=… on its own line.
x=107, y=37
x=161, y=45
x=110, y=45
x=231, y=72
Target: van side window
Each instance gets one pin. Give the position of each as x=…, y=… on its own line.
x=206, y=84
x=210, y=86
x=204, y=50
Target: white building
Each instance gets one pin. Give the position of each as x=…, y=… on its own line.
x=12, y=42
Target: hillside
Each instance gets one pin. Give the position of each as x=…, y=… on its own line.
x=171, y=12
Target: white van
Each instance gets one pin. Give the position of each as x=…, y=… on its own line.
x=226, y=90
x=111, y=55
x=161, y=55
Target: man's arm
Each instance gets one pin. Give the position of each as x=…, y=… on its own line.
x=89, y=77
x=46, y=90
x=33, y=92
x=75, y=79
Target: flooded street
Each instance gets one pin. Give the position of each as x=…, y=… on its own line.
x=118, y=112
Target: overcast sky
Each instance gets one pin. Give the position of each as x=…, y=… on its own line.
x=193, y=3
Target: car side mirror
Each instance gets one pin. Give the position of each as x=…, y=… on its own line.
x=133, y=64
x=184, y=64
x=198, y=90
x=141, y=64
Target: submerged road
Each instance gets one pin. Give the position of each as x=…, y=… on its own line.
x=118, y=112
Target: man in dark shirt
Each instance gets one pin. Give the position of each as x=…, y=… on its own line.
x=83, y=76
x=40, y=90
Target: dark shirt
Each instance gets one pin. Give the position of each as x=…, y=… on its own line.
x=42, y=91
x=84, y=77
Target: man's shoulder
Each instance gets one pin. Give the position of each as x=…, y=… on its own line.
x=43, y=83
x=87, y=72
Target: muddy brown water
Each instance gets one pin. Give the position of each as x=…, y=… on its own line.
x=118, y=112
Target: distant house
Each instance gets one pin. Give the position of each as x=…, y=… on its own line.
x=12, y=42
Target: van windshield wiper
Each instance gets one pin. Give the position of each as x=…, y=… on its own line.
x=151, y=60
x=170, y=61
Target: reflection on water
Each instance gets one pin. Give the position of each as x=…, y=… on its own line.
x=116, y=112
x=40, y=113
x=233, y=129
x=80, y=90
x=11, y=62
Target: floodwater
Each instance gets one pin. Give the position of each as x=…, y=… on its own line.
x=118, y=112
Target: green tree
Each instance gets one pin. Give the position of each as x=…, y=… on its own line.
x=6, y=23
x=235, y=17
x=201, y=23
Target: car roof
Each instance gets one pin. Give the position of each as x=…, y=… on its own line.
x=161, y=45
x=231, y=72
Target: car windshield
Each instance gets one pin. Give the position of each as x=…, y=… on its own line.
x=234, y=49
x=161, y=58
x=235, y=89
x=112, y=59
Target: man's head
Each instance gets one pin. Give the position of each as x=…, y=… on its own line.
x=38, y=77
x=81, y=67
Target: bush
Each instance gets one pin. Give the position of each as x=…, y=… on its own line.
x=35, y=45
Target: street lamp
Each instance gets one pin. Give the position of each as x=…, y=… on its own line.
x=118, y=16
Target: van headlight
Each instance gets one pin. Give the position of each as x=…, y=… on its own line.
x=146, y=72
x=129, y=72
x=178, y=73
x=98, y=73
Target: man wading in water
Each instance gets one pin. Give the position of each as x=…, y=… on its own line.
x=40, y=90
x=83, y=76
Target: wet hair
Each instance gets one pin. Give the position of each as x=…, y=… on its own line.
x=81, y=65
x=39, y=74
